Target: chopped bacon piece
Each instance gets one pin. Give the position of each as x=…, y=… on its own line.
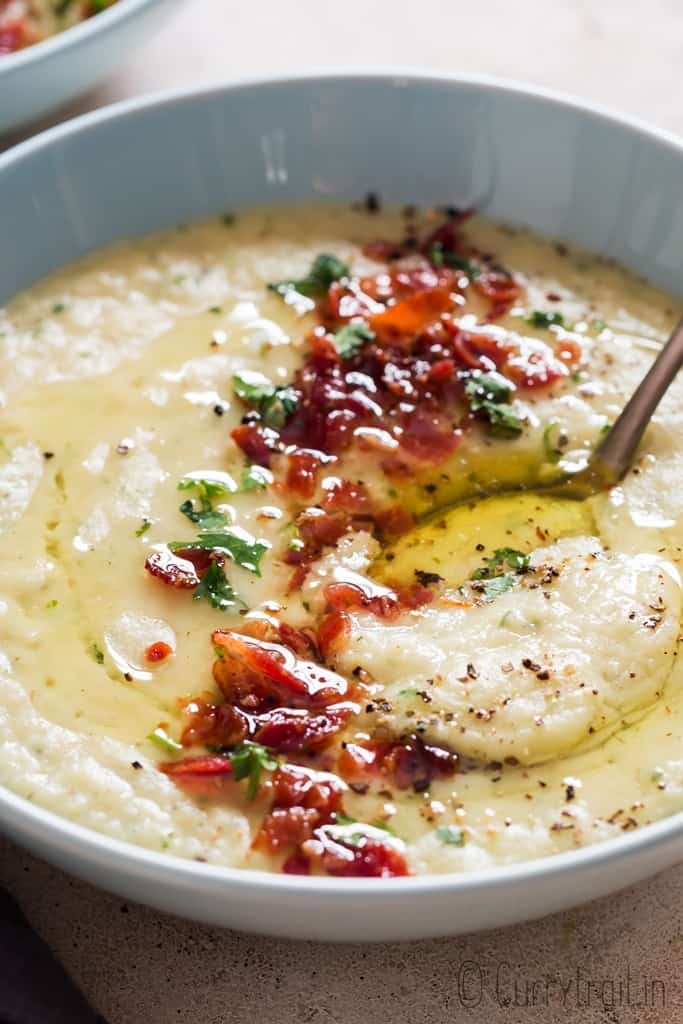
x=381, y=601
x=383, y=251
x=363, y=857
x=500, y=288
x=205, y=764
x=297, y=864
x=334, y=631
x=257, y=442
x=301, y=472
x=286, y=730
x=158, y=651
x=271, y=673
x=294, y=785
x=302, y=800
x=447, y=234
x=14, y=35
x=347, y=496
x=411, y=763
x=415, y=763
x=215, y=725
x=182, y=569
x=403, y=322
x=286, y=827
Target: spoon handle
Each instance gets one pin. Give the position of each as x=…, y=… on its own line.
x=615, y=453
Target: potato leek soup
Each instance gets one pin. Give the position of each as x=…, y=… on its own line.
x=260, y=603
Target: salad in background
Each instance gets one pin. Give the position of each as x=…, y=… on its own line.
x=26, y=22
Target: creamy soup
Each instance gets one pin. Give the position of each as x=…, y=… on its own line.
x=25, y=22
x=260, y=603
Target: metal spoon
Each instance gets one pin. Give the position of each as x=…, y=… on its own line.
x=614, y=454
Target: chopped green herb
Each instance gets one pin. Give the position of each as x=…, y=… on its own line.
x=143, y=528
x=241, y=547
x=451, y=835
x=326, y=269
x=441, y=257
x=598, y=324
x=410, y=691
x=97, y=653
x=58, y=307
x=274, y=403
x=216, y=589
x=205, y=518
x=207, y=488
x=501, y=557
x=215, y=309
x=489, y=394
x=248, y=761
x=554, y=441
x=605, y=428
x=255, y=478
x=52, y=603
x=498, y=585
x=164, y=741
x=349, y=339
x=229, y=219
x=343, y=819
x=540, y=318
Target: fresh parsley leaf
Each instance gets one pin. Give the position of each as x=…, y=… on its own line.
x=489, y=394
x=52, y=603
x=205, y=518
x=255, y=478
x=97, y=653
x=216, y=589
x=58, y=307
x=208, y=488
x=143, y=528
x=349, y=339
x=229, y=219
x=540, y=318
x=164, y=741
x=248, y=761
x=326, y=269
x=510, y=557
x=498, y=585
x=343, y=819
x=441, y=257
x=241, y=547
x=554, y=443
x=451, y=835
x=274, y=403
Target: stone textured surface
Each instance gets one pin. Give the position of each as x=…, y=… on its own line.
x=617, y=960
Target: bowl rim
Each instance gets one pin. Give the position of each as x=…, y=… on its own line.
x=57, y=831
x=68, y=38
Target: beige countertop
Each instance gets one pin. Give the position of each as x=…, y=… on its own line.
x=616, y=961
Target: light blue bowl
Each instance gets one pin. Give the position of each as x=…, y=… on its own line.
x=41, y=78
x=565, y=169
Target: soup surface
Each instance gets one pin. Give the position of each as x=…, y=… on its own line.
x=25, y=22
x=260, y=603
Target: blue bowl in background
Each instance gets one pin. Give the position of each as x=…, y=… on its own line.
x=522, y=155
x=42, y=77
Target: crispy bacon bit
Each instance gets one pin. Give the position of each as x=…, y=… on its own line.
x=347, y=496
x=412, y=763
x=214, y=725
x=257, y=442
x=301, y=473
x=363, y=857
x=204, y=765
x=173, y=569
x=286, y=730
x=266, y=674
x=500, y=288
x=334, y=631
x=303, y=799
x=158, y=651
x=297, y=864
x=401, y=323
